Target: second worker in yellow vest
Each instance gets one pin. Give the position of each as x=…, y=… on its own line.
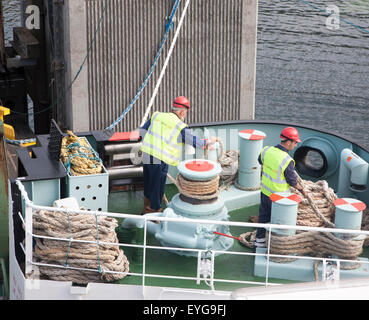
x=278, y=174
x=164, y=135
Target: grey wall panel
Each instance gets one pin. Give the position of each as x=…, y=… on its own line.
x=205, y=64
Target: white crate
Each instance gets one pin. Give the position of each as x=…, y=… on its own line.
x=91, y=191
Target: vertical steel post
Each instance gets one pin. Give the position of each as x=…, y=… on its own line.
x=2, y=37
x=28, y=239
x=4, y=211
x=59, y=63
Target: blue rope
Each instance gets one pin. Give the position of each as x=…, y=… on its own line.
x=168, y=27
x=87, y=155
x=19, y=142
x=344, y=20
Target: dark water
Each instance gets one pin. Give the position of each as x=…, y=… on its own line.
x=306, y=73
x=11, y=9
x=309, y=74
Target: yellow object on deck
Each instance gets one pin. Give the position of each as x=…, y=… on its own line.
x=8, y=129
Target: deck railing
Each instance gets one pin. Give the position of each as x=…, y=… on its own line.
x=29, y=207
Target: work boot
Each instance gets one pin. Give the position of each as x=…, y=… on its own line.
x=146, y=208
x=150, y=210
x=253, y=219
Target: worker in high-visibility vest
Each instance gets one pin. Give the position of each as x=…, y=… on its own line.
x=163, y=137
x=278, y=174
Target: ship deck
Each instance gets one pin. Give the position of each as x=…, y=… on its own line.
x=228, y=267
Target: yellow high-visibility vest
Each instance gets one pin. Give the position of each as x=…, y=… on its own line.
x=274, y=161
x=160, y=140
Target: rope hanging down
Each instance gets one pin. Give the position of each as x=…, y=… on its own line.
x=168, y=28
x=165, y=64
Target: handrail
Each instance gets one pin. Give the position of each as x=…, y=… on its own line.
x=29, y=235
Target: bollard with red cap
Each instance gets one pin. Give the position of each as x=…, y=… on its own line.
x=349, y=213
x=251, y=143
x=284, y=211
x=199, y=169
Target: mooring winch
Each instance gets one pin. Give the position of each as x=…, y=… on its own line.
x=197, y=182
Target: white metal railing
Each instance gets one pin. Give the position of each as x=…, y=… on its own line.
x=29, y=235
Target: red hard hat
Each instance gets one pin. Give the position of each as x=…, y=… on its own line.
x=290, y=133
x=181, y=102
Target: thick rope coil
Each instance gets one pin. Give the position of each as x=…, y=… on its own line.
x=315, y=210
x=248, y=239
x=316, y=243
x=365, y=225
x=78, y=157
x=202, y=190
x=229, y=161
x=102, y=257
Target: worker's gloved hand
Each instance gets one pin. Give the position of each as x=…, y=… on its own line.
x=212, y=140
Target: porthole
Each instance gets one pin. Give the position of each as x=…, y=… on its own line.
x=311, y=162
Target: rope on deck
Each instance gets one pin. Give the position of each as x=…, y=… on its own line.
x=202, y=190
x=96, y=256
x=315, y=210
x=78, y=157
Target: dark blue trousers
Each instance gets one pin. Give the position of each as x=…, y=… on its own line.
x=265, y=211
x=154, y=176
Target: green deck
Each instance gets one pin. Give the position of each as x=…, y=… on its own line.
x=161, y=262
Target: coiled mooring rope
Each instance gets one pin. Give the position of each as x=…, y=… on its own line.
x=229, y=161
x=78, y=157
x=202, y=190
x=315, y=210
x=210, y=189
x=312, y=242
x=365, y=225
x=68, y=255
